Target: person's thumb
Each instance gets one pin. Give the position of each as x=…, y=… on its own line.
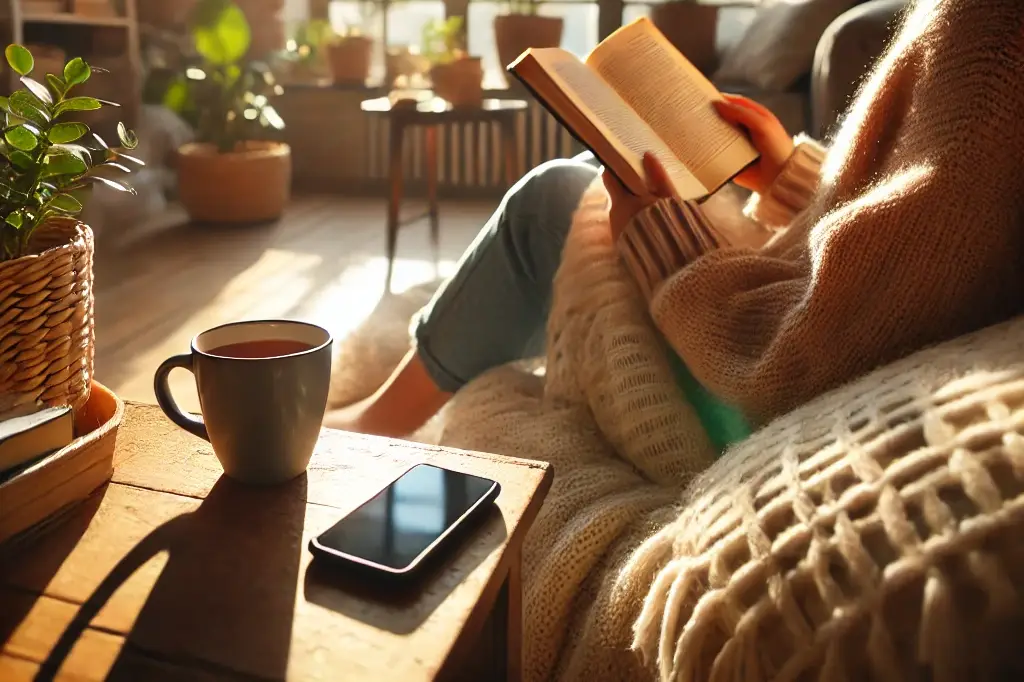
x=659, y=183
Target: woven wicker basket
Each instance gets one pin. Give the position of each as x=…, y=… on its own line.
x=46, y=319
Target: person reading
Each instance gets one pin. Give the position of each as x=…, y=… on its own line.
x=824, y=283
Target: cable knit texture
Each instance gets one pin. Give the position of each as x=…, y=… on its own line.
x=872, y=533
x=793, y=189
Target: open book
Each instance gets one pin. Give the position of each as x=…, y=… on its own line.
x=636, y=93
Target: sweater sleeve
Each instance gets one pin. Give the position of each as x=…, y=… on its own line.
x=667, y=235
x=793, y=189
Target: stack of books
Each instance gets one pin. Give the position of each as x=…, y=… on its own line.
x=27, y=436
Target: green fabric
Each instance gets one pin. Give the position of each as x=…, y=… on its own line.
x=723, y=423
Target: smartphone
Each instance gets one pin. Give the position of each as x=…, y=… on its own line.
x=396, y=531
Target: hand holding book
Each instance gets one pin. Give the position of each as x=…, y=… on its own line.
x=625, y=205
x=766, y=132
x=769, y=137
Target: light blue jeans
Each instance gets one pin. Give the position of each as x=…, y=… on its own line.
x=494, y=310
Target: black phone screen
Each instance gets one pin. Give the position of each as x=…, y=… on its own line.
x=404, y=519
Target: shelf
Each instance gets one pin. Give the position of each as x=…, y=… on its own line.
x=75, y=20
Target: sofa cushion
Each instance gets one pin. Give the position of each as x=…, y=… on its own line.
x=778, y=47
x=733, y=23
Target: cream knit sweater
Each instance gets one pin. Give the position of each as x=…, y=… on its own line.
x=913, y=236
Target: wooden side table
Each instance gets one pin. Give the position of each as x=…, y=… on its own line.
x=172, y=572
x=431, y=115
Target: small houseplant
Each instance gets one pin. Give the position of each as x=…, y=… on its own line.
x=455, y=75
x=233, y=173
x=522, y=27
x=349, y=55
x=304, y=56
x=49, y=163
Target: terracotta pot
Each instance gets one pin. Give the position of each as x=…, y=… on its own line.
x=47, y=336
x=251, y=185
x=515, y=33
x=349, y=59
x=460, y=82
x=691, y=28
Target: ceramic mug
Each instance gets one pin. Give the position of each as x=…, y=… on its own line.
x=262, y=392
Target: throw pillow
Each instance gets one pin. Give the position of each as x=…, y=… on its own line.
x=779, y=46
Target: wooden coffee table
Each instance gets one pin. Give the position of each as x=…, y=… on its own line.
x=171, y=572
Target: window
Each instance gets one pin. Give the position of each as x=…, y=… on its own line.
x=406, y=19
x=633, y=12
x=579, y=34
x=405, y=22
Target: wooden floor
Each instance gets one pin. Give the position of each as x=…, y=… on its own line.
x=160, y=284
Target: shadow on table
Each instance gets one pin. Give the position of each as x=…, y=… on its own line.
x=50, y=544
x=226, y=595
x=400, y=605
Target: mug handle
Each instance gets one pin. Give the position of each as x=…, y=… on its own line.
x=166, y=401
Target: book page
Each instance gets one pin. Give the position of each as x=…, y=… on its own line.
x=615, y=121
x=668, y=92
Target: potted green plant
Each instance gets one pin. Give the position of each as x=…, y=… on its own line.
x=232, y=173
x=521, y=28
x=48, y=164
x=691, y=27
x=349, y=56
x=304, y=57
x=455, y=75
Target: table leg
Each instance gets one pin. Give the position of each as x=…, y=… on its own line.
x=509, y=151
x=435, y=226
x=395, y=152
x=514, y=605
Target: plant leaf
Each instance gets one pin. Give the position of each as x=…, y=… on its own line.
x=22, y=160
x=21, y=137
x=15, y=220
x=23, y=104
x=270, y=117
x=115, y=165
x=38, y=89
x=56, y=84
x=177, y=96
x=82, y=152
x=20, y=59
x=100, y=141
x=221, y=31
x=126, y=157
x=63, y=164
x=77, y=104
x=113, y=184
x=76, y=72
x=129, y=140
x=67, y=132
x=65, y=203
